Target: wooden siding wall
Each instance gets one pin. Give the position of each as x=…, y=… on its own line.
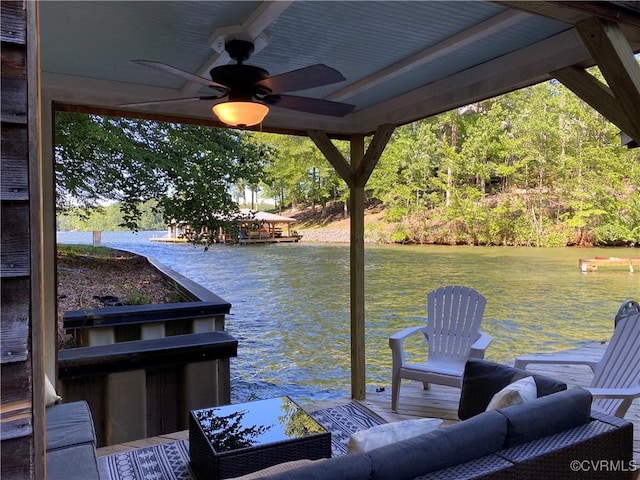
x=16, y=416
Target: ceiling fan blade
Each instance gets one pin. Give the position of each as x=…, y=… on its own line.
x=163, y=67
x=302, y=79
x=310, y=105
x=172, y=100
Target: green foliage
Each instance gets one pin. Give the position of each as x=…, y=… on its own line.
x=109, y=218
x=298, y=174
x=400, y=234
x=75, y=251
x=396, y=213
x=135, y=297
x=536, y=167
x=175, y=296
x=187, y=170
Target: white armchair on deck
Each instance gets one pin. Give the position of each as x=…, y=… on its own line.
x=616, y=377
x=452, y=332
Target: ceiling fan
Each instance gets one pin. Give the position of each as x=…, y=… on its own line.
x=248, y=91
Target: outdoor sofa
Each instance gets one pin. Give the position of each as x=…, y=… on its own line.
x=555, y=436
x=71, y=442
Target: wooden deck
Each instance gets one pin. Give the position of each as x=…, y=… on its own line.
x=442, y=402
x=169, y=240
x=592, y=264
x=259, y=240
x=439, y=401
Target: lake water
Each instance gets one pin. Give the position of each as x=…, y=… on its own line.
x=290, y=303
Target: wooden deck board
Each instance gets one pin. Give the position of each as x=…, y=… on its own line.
x=438, y=402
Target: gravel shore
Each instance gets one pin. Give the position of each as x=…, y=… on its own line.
x=325, y=235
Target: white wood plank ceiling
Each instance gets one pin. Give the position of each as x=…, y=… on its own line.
x=402, y=60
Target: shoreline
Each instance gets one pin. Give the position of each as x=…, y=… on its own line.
x=325, y=235
x=342, y=236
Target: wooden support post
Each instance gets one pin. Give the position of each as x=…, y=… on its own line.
x=356, y=174
x=152, y=330
x=97, y=336
x=595, y=93
x=202, y=325
x=356, y=198
x=615, y=58
x=126, y=407
x=204, y=383
x=125, y=397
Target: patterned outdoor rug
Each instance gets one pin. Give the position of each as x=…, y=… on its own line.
x=169, y=461
x=344, y=420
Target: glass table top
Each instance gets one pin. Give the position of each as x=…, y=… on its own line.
x=260, y=422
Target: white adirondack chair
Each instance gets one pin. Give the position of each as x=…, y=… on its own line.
x=616, y=377
x=452, y=332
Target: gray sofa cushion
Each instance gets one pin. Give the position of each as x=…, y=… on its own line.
x=69, y=424
x=547, y=415
x=413, y=457
x=355, y=466
x=441, y=448
x=483, y=379
x=73, y=463
x=478, y=468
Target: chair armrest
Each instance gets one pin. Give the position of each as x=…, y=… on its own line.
x=522, y=362
x=618, y=393
x=398, y=338
x=396, y=342
x=480, y=345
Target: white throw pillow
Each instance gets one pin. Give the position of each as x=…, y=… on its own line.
x=50, y=395
x=521, y=391
x=387, y=433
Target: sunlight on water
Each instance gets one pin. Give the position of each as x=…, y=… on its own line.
x=290, y=303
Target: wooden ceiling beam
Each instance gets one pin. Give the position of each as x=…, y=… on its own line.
x=574, y=12
x=595, y=93
x=519, y=69
x=354, y=174
x=615, y=58
x=333, y=155
x=474, y=34
x=553, y=10
x=373, y=154
x=606, y=10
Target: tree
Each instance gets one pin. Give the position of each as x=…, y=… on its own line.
x=404, y=176
x=188, y=170
x=298, y=173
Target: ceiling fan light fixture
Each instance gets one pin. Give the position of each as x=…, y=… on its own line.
x=240, y=114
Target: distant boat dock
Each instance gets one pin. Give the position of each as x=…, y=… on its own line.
x=592, y=264
x=253, y=228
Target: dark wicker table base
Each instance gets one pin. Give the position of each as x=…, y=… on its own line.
x=207, y=464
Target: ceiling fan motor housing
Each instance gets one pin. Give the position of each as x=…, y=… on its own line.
x=241, y=78
x=239, y=50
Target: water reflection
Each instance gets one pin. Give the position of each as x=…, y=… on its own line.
x=291, y=303
x=296, y=422
x=229, y=432
x=258, y=422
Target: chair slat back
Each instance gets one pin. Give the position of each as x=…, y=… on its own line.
x=454, y=315
x=620, y=364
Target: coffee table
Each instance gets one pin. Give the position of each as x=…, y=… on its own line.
x=234, y=440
